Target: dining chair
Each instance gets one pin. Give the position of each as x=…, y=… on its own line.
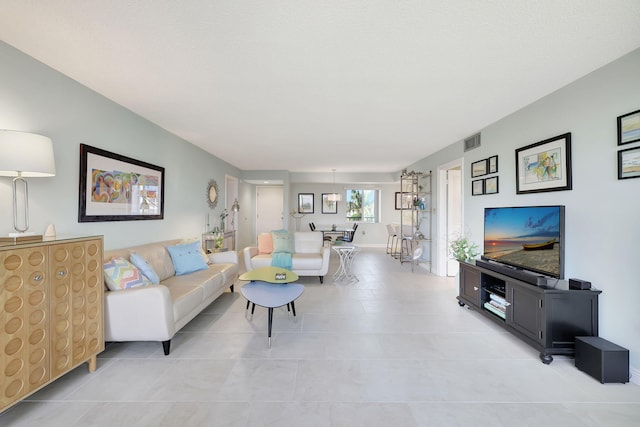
x=348, y=235
x=391, y=239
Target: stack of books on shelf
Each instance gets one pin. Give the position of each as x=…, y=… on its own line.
x=497, y=305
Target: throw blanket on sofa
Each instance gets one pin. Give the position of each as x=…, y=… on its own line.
x=282, y=260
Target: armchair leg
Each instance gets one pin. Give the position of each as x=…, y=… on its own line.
x=231, y=288
x=321, y=279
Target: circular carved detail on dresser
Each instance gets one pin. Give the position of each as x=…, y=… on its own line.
x=13, y=346
x=13, y=304
x=62, y=326
x=36, y=298
x=37, y=356
x=12, y=262
x=92, y=297
x=14, y=388
x=13, y=283
x=92, y=265
x=61, y=344
x=37, y=375
x=77, y=269
x=78, y=252
x=37, y=337
x=93, y=312
x=13, y=325
x=62, y=362
x=13, y=367
x=92, y=249
x=60, y=254
x=78, y=302
x=79, y=319
x=61, y=291
x=62, y=309
x=36, y=258
x=78, y=286
x=36, y=317
x=93, y=281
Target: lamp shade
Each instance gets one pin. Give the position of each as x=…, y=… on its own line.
x=235, y=207
x=26, y=154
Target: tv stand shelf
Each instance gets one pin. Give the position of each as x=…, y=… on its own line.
x=546, y=317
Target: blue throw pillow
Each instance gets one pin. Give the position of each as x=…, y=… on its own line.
x=282, y=241
x=144, y=266
x=187, y=258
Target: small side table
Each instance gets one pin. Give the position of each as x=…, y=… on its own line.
x=208, y=241
x=346, y=253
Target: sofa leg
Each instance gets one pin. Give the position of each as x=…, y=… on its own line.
x=165, y=346
x=231, y=288
x=321, y=279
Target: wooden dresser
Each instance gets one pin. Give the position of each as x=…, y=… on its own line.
x=51, y=312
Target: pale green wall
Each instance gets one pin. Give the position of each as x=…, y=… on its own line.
x=35, y=98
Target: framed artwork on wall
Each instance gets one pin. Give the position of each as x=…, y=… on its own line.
x=479, y=168
x=305, y=203
x=544, y=166
x=477, y=187
x=118, y=188
x=493, y=164
x=629, y=128
x=491, y=185
x=403, y=203
x=328, y=206
x=629, y=163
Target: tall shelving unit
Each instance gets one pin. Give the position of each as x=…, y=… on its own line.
x=416, y=216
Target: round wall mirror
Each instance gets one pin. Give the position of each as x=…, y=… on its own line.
x=212, y=194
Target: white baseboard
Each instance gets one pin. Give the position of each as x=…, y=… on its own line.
x=635, y=376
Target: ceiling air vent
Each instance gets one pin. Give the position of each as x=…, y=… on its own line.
x=472, y=142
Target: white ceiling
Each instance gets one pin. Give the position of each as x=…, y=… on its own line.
x=313, y=85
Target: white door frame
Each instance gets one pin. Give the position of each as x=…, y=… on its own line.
x=442, y=251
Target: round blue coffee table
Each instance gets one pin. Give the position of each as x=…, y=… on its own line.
x=264, y=292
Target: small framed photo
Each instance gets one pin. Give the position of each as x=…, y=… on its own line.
x=491, y=185
x=629, y=163
x=329, y=206
x=477, y=187
x=544, y=165
x=479, y=168
x=403, y=201
x=629, y=128
x=305, y=203
x=493, y=164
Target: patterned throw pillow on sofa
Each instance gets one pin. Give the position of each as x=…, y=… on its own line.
x=121, y=274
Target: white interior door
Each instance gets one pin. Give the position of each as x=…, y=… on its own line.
x=454, y=213
x=269, y=208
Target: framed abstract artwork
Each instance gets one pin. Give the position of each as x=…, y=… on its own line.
x=118, y=188
x=629, y=163
x=544, y=166
x=479, y=168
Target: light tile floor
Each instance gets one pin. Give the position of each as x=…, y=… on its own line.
x=393, y=349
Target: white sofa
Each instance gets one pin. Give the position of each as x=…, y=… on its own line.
x=310, y=256
x=157, y=312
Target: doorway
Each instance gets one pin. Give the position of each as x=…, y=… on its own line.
x=269, y=209
x=450, y=214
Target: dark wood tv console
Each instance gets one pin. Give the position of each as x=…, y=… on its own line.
x=547, y=317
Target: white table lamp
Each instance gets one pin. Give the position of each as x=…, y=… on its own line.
x=24, y=155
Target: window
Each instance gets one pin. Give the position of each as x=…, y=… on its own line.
x=363, y=205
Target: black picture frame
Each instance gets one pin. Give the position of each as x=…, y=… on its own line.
x=118, y=188
x=477, y=187
x=328, y=206
x=403, y=203
x=305, y=203
x=491, y=185
x=492, y=166
x=629, y=128
x=479, y=168
x=544, y=166
x=629, y=163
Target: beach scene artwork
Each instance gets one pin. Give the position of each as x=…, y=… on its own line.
x=524, y=237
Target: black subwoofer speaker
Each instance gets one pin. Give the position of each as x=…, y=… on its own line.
x=603, y=360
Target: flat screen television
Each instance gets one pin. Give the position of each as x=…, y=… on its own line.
x=530, y=238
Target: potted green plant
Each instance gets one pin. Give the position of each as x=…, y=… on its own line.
x=462, y=249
